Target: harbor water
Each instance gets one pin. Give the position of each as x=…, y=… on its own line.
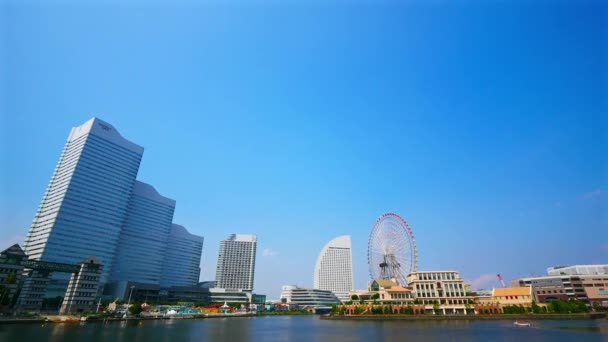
x=306, y=328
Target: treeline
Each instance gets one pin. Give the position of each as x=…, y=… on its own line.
x=556, y=306
x=375, y=310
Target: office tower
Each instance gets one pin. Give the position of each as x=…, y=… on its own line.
x=236, y=262
x=85, y=204
x=183, y=259
x=334, y=268
x=142, y=246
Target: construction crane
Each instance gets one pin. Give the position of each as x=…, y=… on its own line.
x=501, y=281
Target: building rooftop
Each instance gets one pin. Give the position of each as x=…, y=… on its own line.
x=512, y=291
x=241, y=237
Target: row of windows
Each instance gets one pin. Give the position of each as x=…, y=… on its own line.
x=437, y=276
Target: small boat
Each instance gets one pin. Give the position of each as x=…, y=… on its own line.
x=521, y=323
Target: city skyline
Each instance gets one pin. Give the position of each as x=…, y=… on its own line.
x=486, y=133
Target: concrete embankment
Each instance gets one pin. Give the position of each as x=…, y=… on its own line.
x=464, y=317
x=21, y=320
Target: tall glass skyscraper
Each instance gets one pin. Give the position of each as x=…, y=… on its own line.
x=84, y=207
x=142, y=247
x=94, y=206
x=334, y=268
x=182, y=263
x=236, y=262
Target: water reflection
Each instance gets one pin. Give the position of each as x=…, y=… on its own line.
x=302, y=328
x=228, y=329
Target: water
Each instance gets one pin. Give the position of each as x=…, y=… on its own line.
x=306, y=328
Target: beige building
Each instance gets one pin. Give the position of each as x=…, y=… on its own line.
x=596, y=290
x=390, y=291
x=443, y=287
x=512, y=296
x=387, y=291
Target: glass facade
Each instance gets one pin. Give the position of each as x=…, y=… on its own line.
x=142, y=247
x=182, y=263
x=93, y=206
x=85, y=205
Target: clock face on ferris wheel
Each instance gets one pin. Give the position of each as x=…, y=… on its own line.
x=391, y=250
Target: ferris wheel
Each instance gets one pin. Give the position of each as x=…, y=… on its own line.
x=391, y=250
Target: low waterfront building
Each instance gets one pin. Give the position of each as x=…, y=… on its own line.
x=596, y=290
x=82, y=288
x=441, y=287
x=388, y=291
x=512, y=296
x=220, y=295
x=578, y=270
x=566, y=287
x=293, y=294
x=194, y=294
x=11, y=269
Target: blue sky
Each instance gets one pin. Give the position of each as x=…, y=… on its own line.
x=483, y=124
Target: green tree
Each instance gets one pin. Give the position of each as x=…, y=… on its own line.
x=535, y=308
x=11, y=278
x=354, y=297
x=376, y=296
x=135, y=309
x=409, y=310
x=4, y=295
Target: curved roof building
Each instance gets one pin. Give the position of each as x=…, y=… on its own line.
x=334, y=268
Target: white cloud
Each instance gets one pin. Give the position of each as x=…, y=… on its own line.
x=267, y=252
x=591, y=194
x=484, y=281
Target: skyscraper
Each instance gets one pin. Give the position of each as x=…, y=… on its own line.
x=334, y=268
x=85, y=204
x=142, y=248
x=183, y=259
x=94, y=206
x=236, y=262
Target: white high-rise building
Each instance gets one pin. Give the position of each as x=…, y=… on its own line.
x=334, y=268
x=236, y=262
x=85, y=203
x=183, y=260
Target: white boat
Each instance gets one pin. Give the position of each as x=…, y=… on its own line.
x=521, y=324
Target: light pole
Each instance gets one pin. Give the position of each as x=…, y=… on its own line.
x=130, y=292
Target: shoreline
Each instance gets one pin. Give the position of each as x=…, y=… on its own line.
x=75, y=319
x=526, y=317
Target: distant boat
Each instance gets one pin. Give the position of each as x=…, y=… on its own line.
x=521, y=324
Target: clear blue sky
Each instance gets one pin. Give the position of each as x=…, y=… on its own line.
x=483, y=125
